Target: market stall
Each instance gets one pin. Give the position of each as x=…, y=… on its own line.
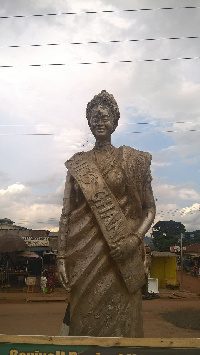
x=10, y=244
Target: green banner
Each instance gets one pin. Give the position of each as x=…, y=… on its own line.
x=34, y=349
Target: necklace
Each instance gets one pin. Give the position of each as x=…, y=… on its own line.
x=103, y=146
x=105, y=158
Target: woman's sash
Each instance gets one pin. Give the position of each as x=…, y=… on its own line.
x=109, y=216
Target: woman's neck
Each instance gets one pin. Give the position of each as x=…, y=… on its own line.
x=102, y=145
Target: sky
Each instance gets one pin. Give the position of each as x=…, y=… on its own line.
x=42, y=108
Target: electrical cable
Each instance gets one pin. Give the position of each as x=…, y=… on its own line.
x=100, y=12
x=100, y=42
x=101, y=62
x=127, y=132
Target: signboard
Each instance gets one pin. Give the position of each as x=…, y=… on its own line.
x=17, y=349
x=188, y=236
x=31, y=281
x=96, y=346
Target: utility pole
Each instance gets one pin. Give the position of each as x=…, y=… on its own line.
x=181, y=285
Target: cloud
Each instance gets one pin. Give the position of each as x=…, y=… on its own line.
x=174, y=192
x=190, y=215
x=172, y=203
x=195, y=207
x=25, y=208
x=43, y=108
x=189, y=194
x=12, y=189
x=157, y=163
x=4, y=178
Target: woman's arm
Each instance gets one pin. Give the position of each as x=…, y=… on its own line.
x=149, y=208
x=129, y=245
x=62, y=237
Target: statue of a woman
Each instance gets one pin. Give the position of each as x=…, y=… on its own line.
x=108, y=207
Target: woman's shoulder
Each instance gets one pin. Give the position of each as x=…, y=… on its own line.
x=132, y=153
x=78, y=157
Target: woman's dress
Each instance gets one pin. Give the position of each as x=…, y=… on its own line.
x=101, y=304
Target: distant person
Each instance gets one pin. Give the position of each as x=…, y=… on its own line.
x=194, y=270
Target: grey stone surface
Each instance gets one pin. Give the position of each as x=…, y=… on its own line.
x=108, y=207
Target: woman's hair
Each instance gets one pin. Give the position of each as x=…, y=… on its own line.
x=104, y=99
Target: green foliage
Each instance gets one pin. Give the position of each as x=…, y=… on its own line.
x=196, y=239
x=166, y=234
x=6, y=220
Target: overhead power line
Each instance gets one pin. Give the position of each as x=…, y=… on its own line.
x=63, y=134
x=168, y=131
x=99, y=12
x=101, y=62
x=120, y=124
x=100, y=42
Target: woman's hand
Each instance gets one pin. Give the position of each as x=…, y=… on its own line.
x=121, y=250
x=62, y=273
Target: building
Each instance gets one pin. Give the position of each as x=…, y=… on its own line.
x=36, y=240
x=192, y=258
x=53, y=241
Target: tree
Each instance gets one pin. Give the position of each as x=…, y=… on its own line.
x=191, y=238
x=196, y=236
x=166, y=234
x=6, y=220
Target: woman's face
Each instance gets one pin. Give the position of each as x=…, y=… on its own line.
x=101, y=122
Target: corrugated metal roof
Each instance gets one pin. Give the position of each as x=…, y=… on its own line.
x=193, y=248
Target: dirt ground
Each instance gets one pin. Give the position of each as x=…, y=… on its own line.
x=174, y=314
